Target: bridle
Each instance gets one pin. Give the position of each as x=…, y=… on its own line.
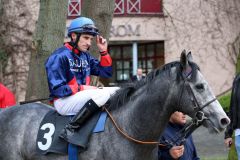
x=185, y=132
x=196, y=121
x=199, y=114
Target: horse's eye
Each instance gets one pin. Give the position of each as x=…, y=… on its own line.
x=200, y=86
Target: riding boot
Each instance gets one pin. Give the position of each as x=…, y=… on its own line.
x=85, y=112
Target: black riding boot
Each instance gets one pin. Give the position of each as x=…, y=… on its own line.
x=85, y=112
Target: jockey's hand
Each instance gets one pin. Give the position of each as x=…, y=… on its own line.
x=85, y=87
x=102, y=43
x=228, y=142
x=176, y=151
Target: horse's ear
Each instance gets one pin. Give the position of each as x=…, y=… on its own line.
x=183, y=59
x=189, y=57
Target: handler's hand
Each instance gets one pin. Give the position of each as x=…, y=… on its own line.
x=228, y=142
x=176, y=151
x=101, y=43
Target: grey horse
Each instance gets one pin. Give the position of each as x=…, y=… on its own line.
x=141, y=110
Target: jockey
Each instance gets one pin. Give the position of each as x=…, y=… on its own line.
x=68, y=71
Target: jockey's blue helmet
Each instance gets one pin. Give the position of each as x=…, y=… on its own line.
x=83, y=25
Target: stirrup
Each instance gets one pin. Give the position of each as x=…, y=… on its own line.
x=67, y=131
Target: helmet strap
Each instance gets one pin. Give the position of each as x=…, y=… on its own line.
x=75, y=44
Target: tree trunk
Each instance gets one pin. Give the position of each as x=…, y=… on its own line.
x=17, y=26
x=238, y=63
x=102, y=14
x=1, y=51
x=49, y=35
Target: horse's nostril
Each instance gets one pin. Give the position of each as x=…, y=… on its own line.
x=225, y=121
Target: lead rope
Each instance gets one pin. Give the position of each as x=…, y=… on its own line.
x=129, y=137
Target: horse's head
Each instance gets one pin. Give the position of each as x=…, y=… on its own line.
x=176, y=86
x=196, y=97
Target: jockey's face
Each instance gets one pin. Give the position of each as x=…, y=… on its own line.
x=84, y=42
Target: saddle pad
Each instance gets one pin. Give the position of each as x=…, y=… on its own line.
x=48, y=140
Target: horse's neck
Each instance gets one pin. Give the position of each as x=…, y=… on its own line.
x=145, y=116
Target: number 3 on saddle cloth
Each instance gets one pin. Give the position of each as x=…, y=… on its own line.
x=48, y=140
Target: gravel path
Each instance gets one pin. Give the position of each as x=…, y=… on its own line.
x=209, y=145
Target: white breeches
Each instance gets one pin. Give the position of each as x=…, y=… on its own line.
x=72, y=104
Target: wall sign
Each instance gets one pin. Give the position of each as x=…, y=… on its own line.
x=125, y=30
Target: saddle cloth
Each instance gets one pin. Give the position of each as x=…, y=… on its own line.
x=48, y=140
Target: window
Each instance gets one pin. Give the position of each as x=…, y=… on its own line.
x=74, y=8
x=150, y=56
x=133, y=6
x=122, y=7
x=119, y=7
x=138, y=7
x=122, y=61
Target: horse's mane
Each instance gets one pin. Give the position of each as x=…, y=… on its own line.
x=123, y=95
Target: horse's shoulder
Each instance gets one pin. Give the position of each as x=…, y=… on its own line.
x=40, y=105
x=38, y=108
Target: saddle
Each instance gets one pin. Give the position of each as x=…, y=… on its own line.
x=48, y=140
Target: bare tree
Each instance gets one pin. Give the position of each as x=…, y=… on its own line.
x=17, y=25
x=49, y=35
x=102, y=13
x=1, y=51
x=236, y=50
x=238, y=63
x=209, y=28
